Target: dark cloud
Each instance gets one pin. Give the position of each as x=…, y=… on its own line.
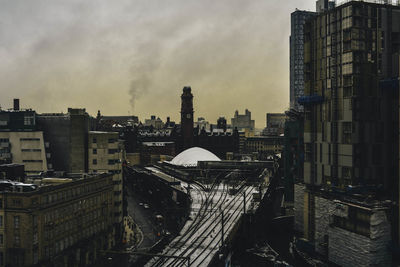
x=121, y=56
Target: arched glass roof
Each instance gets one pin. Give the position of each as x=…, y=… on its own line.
x=191, y=156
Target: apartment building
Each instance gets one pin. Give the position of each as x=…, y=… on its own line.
x=351, y=59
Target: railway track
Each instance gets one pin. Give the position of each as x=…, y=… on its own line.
x=201, y=237
x=194, y=224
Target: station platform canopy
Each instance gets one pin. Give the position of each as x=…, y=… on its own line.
x=190, y=157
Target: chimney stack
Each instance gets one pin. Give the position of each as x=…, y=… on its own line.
x=16, y=103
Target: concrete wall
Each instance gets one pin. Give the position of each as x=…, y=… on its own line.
x=350, y=249
x=299, y=190
x=323, y=214
x=56, y=131
x=27, y=148
x=105, y=154
x=79, y=127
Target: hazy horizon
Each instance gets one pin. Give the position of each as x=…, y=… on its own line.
x=134, y=57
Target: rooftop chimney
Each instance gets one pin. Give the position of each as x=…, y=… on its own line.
x=16, y=104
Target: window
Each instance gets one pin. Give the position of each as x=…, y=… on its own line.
x=29, y=139
x=94, y=140
x=17, y=202
x=111, y=162
x=1, y=220
x=1, y=239
x=94, y=151
x=17, y=240
x=29, y=120
x=94, y=161
x=111, y=140
x=16, y=221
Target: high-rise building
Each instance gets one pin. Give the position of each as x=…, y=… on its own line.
x=298, y=18
x=187, y=118
x=351, y=54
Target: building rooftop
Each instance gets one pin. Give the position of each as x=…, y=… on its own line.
x=190, y=157
x=387, y=2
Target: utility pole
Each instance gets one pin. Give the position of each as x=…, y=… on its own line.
x=222, y=227
x=244, y=202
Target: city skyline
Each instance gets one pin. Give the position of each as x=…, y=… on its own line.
x=234, y=55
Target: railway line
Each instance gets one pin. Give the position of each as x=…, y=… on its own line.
x=213, y=215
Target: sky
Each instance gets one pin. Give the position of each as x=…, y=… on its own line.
x=133, y=57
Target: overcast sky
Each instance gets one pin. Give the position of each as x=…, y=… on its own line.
x=135, y=56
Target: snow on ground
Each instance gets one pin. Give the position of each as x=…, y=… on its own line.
x=200, y=238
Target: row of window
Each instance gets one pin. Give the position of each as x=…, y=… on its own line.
x=110, y=151
x=73, y=192
x=31, y=150
x=62, y=244
x=29, y=139
x=74, y=224
x=110, y=161
x=110, y=140
x=62, y=213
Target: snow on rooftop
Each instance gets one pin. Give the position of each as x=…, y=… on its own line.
x=191, y=156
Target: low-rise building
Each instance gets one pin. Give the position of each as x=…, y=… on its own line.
x=60, y=222
x=264, y=145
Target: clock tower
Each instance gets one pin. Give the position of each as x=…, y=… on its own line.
x=187, y=118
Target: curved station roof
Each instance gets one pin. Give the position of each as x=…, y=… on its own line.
x=191, y=156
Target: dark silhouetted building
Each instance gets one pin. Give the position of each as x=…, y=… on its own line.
x=187, y=118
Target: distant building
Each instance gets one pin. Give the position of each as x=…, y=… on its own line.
x=243, y=121
x=275, y=124
x=151, y=152
x=187, y=118
x=221, y=123
x=156, y=123
x=264, y=145
x=201, y=123
x=108, y=123
x=65, y=223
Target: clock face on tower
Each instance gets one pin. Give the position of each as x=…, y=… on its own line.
x=188, y=116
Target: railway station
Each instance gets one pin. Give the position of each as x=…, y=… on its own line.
x=205, y=202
